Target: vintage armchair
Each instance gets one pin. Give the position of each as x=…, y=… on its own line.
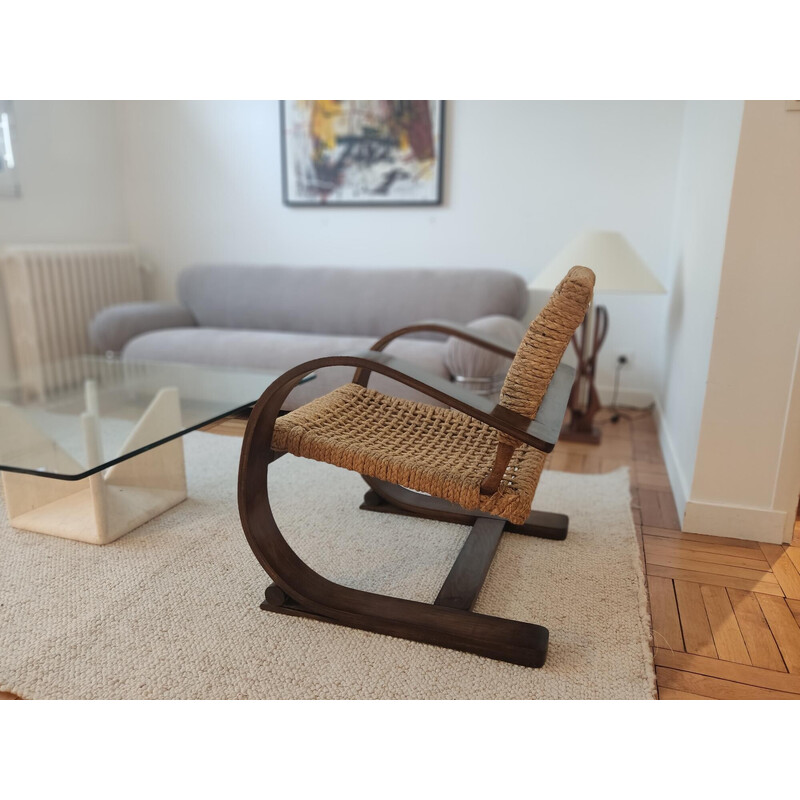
x=476, y=463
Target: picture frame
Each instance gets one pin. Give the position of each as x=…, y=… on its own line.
x=367, y=153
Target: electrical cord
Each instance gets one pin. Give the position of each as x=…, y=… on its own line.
x=616, y=407
x=644, y=411
x=621, y=360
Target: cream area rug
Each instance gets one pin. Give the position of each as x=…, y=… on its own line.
x=171, y=609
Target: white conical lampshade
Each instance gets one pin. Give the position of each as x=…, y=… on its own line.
x=618, y=267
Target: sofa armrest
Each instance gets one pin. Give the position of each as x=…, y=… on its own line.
x=465, y=360
x=113, y=327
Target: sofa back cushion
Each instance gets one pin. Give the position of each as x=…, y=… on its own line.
x=345, y=301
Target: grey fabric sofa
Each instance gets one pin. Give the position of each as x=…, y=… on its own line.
x=273, y=318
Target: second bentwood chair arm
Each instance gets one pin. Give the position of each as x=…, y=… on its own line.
x=541, y=432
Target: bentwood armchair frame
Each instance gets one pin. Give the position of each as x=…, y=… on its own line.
x=449, y=621
x=298, y=589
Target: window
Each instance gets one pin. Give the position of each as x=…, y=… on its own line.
x=9, y=184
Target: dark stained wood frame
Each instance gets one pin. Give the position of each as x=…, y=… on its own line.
x=449, y=622
x=581, y=427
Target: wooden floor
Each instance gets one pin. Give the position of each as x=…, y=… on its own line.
x=726, y=612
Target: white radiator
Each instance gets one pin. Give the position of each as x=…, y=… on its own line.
x=51, y=295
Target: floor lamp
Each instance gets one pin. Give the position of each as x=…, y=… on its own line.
x=619, y=269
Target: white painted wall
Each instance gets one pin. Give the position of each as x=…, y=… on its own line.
x=747, y=471
x=68, y=157
x=702, y=200
x=67, y=154
x=203, y=184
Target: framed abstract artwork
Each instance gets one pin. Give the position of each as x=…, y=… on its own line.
x=362, y=152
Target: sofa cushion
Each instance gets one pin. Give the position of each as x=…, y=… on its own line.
x=278, y=351
x=469, y=361
x=345, y=301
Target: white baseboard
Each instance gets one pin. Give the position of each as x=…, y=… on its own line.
x=712, y=519
x=715, y=519
x=677, y=479
x=641, y=398
x=735, y=522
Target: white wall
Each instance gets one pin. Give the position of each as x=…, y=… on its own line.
x=747, y=471
x=67, y=155
x=69, y=164
x=521, y=179
x=702, y=200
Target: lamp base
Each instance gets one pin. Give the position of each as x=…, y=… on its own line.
x=584, y=402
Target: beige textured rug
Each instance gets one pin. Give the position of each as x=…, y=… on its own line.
x=171, y=609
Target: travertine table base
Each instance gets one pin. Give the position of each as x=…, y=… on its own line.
x=106, y=505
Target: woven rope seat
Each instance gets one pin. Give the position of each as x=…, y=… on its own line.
x=427, y=448
x=442, y=451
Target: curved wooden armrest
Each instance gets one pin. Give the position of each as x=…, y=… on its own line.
x=541, y=433
x=450, y=329
x=446, y=327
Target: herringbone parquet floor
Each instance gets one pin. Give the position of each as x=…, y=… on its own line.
x=725, y=612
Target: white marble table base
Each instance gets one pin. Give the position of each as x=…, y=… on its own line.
x=109, y=504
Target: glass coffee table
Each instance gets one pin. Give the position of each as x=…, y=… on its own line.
x=103, y=454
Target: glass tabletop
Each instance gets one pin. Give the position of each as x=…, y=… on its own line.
x=106, y=411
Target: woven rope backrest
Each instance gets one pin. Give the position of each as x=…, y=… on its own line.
x=537, y=359
x=544, y=344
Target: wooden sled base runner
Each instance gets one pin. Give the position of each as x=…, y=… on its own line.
x=465, y=460
x=450, y=621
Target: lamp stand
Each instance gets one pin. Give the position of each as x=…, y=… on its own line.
x=584, y=402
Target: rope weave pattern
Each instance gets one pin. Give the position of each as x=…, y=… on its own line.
x=427, y=448
x=442, y=451
x=542, y=349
